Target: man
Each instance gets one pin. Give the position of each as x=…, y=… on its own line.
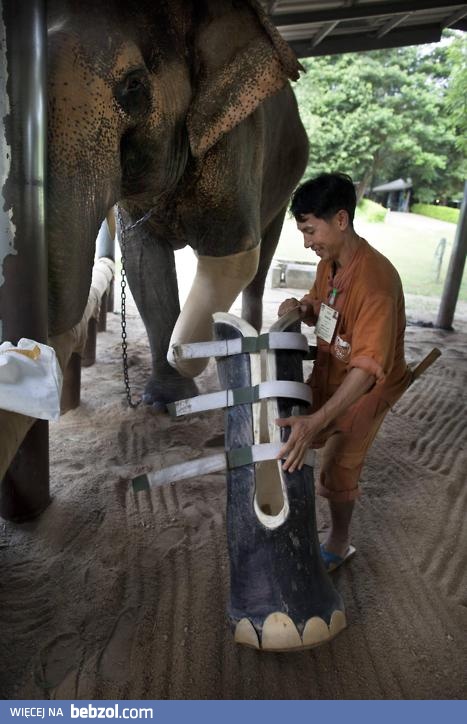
x=357, y=305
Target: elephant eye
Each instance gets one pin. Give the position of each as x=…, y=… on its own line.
x=132, y=93
x=133, y=83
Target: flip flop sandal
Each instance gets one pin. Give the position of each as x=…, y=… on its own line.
x=332, y=561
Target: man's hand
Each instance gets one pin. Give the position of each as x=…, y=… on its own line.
x=306, y=308
x=287, y=306
x=304, y=431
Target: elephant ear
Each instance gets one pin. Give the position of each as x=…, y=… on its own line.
x=242, y=59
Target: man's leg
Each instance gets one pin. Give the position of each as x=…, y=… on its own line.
x=342, y=459
x=338, y=538
x=340, y=486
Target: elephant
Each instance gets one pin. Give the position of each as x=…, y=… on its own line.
x=181, y=112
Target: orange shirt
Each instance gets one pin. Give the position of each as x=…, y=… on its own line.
x=369, y=332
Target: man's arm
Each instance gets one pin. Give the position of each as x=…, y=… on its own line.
x=305, y=428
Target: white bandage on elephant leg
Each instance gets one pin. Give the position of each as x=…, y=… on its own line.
x=218, y=282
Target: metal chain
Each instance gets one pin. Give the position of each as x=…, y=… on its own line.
x=123, y=283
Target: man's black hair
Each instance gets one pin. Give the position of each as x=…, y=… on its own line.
x=324, y=196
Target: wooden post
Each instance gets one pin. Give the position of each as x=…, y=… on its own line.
x=24, y=491
x=71, y=390
x=455, y=271
x=102, y=321
x=89, y=354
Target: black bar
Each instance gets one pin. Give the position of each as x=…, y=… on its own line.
x=24, y=492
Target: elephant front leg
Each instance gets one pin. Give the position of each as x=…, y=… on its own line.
x=151, y=273
x=217, y=283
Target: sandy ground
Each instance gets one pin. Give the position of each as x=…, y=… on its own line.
x=112, y=595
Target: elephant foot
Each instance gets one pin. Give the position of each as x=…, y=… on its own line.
x=279, y=633
x=159, y=393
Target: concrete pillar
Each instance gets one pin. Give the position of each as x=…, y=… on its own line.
x=455, y=270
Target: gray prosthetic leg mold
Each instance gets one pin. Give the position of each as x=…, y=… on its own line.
x=281, y=597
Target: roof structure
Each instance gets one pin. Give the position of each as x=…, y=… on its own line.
x=325, y=27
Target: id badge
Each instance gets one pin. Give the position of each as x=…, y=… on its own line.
x=326, y=324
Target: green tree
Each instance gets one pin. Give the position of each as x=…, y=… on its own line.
x=382, y=114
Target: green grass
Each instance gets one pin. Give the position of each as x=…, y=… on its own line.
x=443, y=213
x=370, y=211
x=408, y=241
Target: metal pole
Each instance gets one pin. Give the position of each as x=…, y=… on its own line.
x=24, y=492
x=105, y=242
x=439, y=256
x=455, y=270
x=105, y=246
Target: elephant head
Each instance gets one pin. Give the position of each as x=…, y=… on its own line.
x=117, y=108
x=168, y=109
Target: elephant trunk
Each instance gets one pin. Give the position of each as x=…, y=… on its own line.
x=76, y=211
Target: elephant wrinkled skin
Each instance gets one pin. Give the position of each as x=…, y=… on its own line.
x=181, y=112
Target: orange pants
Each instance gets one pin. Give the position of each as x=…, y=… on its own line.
x=343, y=454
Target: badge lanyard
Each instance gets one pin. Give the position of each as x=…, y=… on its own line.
x=333, y=296
x=327, y=318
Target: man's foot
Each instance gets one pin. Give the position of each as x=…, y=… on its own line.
x=332, y=560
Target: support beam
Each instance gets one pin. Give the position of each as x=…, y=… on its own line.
x=358, y=43
x=24, y=490
x=391, y=24
x=453, y=19
x=321, y=34
x=455, y=271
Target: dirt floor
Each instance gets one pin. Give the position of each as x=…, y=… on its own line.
x=109, y=595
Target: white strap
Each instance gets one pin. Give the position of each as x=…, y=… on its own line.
x=259, y=453
x=198, y=350
x=288, y=340
x=190, y=469
x=241, y=396
x=228, y=347
x=213, y=464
